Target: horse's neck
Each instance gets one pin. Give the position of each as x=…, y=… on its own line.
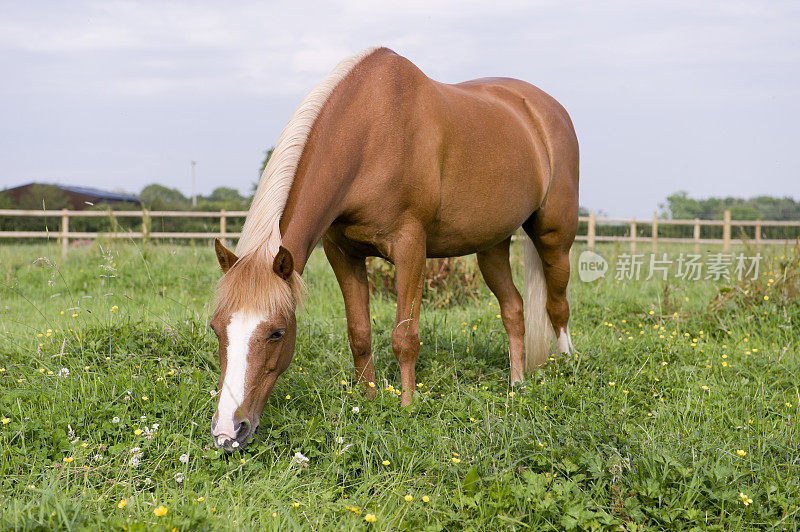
x=324, y=175
x=314, y=202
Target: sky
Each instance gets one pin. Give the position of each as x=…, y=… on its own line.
x=665, y=96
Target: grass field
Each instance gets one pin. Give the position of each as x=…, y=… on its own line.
x=679, y=411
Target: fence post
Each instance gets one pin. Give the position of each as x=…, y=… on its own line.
x=64, y=234
x=145, y=226
x=696, y=236
x=223, y=227
x=757, y=230
x=726, y=232
x=590, y=232
x=655, y=231
x=633, y=236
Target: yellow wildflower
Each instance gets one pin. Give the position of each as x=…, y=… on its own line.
x=160, y=511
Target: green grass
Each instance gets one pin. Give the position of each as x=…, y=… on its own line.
x=623, y=434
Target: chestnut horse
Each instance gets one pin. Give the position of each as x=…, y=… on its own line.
x=380, y=160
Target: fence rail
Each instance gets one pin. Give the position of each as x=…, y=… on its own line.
x=625, y=230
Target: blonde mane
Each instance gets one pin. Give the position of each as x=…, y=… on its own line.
x=261, y=225
x=251, y=284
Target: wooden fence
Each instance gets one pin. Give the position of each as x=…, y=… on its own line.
x=631, y=231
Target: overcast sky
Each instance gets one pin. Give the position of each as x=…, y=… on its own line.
x=665, y=96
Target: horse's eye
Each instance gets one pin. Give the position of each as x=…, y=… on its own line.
x=277, y=334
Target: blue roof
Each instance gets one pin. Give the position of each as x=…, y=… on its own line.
x=97, y=193
x=87, y=191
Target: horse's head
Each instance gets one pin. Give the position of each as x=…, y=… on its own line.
x=255, y=324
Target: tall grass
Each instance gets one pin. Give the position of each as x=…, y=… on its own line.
x=679, y=408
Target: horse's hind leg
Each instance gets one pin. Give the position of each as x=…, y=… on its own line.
x=496, y=271
x=351, y=272
x=552, y=229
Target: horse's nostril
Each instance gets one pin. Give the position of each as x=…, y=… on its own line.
x=242, y=427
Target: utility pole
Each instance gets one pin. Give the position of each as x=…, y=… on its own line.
x=194, y=184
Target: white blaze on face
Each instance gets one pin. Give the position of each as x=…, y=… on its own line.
x=564, y=340
x=231, y=396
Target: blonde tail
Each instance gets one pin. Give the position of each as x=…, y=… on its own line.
x=538, y=330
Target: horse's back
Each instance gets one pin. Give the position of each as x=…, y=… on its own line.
x=536, y=109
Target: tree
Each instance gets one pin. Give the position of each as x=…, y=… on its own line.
x=160, y=198
x=44, y=197
x=681, y=206
x=224, y=198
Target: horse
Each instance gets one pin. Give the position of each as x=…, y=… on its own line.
x=380, y=160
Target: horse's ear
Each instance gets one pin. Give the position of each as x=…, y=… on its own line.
x=284, y=263
x=225, y=257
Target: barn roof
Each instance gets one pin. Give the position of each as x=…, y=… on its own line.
x=86, y=191
x=101, y=194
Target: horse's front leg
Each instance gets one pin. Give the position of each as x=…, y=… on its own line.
x=351, y=272
x=408, y=255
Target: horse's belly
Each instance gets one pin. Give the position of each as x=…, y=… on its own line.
x=476, y=222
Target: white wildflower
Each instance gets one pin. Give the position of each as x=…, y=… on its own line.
x=356, y=410
x=155, y=426
x=98, y=457
x=115, y=419
x=135, y=456
x=340, y=439
x=184, y=458
x=63, y=373
x=178, y=477
x=300, y=459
